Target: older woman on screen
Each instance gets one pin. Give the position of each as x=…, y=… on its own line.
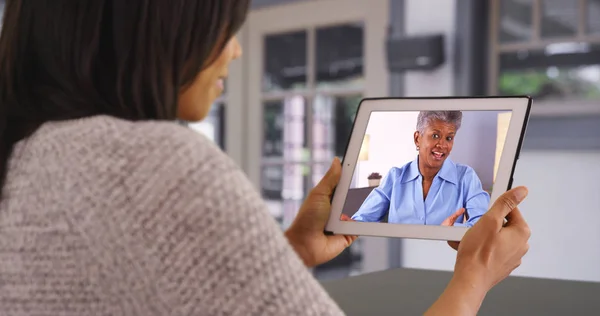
x=432, y=189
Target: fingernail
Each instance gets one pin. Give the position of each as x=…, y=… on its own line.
x=520, y=194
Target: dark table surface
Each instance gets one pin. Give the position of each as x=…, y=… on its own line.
x=411, y=292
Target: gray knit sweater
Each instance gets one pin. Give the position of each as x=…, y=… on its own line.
x=102, y=216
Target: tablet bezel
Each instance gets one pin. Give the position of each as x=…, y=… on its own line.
x=520, y=107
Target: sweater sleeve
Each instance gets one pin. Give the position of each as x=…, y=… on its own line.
x=198, y=236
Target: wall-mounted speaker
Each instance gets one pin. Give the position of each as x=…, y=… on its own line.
x=425, y=52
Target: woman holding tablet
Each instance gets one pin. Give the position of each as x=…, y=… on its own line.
x=111, y=208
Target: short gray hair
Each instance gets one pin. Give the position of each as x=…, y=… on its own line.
x=450, y=117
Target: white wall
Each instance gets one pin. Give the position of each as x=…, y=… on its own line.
x=563, y=208
x=423, y=17
x=391, y=143
x=475, y=144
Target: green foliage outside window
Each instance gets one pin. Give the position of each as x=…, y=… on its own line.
x=565, y=83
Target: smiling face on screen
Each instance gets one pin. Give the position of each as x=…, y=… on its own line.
x=434, y=144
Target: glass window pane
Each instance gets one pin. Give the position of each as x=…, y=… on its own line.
x=559, y=18
x=332, y=125
x=515, y=20
x=285, y=61
x=593, y=16
x=561, y=71
x=283, y=187
x=340, y=56
x=580, y=82
x=552, y=83
x=318, y=171
x=285, y=132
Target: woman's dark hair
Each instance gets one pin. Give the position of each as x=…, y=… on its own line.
x=68, y=59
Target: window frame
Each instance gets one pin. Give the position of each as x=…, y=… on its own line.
x=551, y=123
x=310, y=16
x=495, y=49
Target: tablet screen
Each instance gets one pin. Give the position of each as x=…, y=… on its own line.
x=426, y=167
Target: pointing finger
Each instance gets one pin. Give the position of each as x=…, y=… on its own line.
x=452, y=218
x=346, y=218
x=456, y=215
x=459, y=212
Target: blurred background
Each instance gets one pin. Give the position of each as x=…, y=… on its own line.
x=290, y=102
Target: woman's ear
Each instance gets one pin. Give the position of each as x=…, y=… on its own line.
x=416, y=136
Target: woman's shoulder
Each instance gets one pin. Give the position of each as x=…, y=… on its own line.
x=465, y=172
x=127, y=139
x=144, y=167
x=132, y=153
x=462, y=167
x=121, y=131
x=404, y=170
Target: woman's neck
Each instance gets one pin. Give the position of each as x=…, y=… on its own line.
x=427, y=172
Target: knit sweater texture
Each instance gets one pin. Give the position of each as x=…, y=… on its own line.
x=102, y=216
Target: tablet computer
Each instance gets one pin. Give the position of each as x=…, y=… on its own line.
x=427, y=168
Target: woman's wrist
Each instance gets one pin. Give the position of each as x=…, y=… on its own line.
x=463, y=296
x=469, y=289
x=296, y=245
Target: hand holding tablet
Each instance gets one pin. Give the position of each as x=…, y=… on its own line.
x=444, y=161
x=488, y=253
x=438, y=189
